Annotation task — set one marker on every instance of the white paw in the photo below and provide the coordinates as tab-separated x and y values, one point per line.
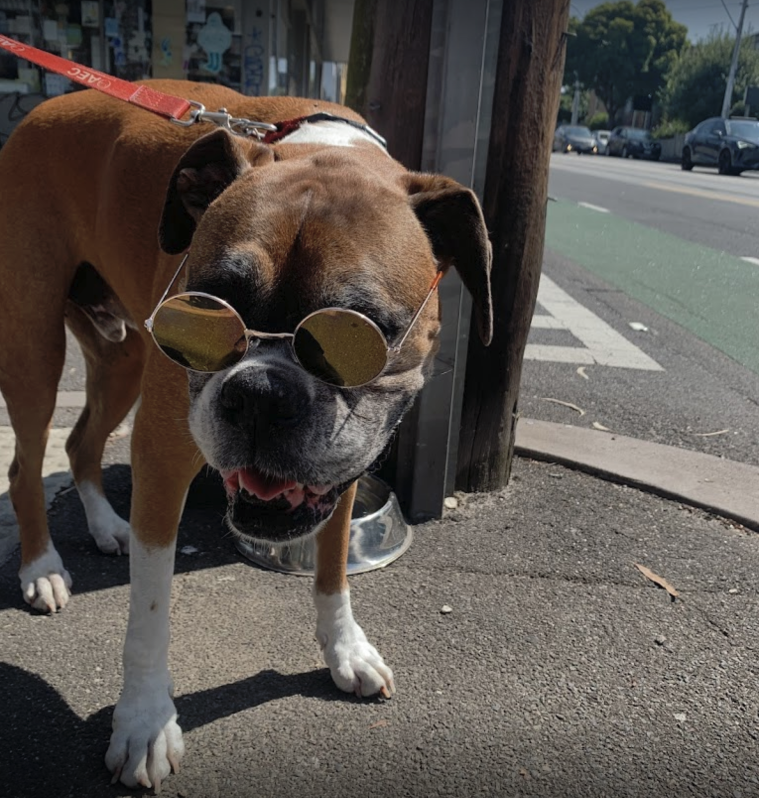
113	539
357	667
109	530
146	744
355	664
45	583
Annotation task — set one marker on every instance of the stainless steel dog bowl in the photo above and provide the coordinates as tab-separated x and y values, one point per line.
379	535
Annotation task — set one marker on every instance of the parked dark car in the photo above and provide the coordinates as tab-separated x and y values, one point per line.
633	142
574	138
732	145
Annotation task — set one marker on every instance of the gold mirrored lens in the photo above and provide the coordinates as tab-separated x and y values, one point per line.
340	347
199	332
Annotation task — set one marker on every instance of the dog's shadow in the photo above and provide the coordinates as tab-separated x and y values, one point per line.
44	742
41	739
202	528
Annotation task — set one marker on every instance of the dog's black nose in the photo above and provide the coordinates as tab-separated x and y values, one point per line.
259	399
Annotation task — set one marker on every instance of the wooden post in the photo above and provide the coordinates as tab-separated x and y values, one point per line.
525	104
387	72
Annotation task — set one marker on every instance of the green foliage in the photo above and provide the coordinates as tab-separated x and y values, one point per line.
622	49
565	106
599	121
696	83
668	129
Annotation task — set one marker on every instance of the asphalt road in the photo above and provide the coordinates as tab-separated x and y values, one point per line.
701	206
658	257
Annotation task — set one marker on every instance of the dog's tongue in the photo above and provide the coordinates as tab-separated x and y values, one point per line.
266	488
262	486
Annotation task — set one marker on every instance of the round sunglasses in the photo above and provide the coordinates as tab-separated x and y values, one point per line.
340	347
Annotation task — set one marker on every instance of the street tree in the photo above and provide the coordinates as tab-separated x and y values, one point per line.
622	49
696	83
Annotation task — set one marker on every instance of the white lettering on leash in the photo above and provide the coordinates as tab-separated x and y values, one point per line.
9	44
88	77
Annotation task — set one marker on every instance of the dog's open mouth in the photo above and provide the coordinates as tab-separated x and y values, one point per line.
271	508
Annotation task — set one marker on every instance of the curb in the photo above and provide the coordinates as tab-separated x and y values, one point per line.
725	487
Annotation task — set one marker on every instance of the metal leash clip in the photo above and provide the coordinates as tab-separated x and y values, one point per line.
222	118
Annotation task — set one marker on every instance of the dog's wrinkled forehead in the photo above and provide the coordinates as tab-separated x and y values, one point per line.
306	236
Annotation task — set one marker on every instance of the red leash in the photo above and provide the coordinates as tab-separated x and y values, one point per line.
165	105
149	99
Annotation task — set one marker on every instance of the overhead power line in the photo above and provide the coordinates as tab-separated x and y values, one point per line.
727	11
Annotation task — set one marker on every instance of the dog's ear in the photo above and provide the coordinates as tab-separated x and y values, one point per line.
453	221
204	171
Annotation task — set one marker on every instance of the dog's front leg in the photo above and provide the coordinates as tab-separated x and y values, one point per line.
146	744
355	664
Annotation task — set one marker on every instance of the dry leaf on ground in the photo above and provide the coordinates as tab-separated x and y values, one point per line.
658	580
564	404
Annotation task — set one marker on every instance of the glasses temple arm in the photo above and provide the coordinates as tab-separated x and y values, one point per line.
397	347
149	322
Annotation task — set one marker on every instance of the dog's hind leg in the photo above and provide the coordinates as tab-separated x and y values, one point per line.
114	369
31	361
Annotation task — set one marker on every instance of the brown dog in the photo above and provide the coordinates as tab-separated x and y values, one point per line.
97	201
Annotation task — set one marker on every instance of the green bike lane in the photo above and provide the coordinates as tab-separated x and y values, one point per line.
711	294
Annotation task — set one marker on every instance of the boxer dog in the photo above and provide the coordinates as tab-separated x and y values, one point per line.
267	303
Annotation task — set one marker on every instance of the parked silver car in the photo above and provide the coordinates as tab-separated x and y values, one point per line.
602	139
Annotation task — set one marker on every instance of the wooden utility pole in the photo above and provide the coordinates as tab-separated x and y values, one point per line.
387	72
525	104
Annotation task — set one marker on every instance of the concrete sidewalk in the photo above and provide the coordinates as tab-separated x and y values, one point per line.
561	671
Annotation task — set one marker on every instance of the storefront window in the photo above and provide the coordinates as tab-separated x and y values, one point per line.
213	46
113	37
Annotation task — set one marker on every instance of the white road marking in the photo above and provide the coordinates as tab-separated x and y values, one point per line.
559	354
593	207
748	259
55	473
604	346
541	322
74	399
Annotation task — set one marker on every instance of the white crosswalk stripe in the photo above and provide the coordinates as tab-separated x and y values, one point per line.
603	345
56	477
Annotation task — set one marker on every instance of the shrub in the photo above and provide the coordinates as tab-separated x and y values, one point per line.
599	121
669	128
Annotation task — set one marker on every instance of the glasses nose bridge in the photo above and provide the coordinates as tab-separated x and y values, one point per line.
264	336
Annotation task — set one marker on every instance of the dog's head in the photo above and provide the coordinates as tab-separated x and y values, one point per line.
281	232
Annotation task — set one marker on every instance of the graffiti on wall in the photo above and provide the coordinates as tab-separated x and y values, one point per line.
253	63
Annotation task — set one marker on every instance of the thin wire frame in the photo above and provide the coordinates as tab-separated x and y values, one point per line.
249	334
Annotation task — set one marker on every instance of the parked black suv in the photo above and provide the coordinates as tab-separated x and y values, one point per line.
732	145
